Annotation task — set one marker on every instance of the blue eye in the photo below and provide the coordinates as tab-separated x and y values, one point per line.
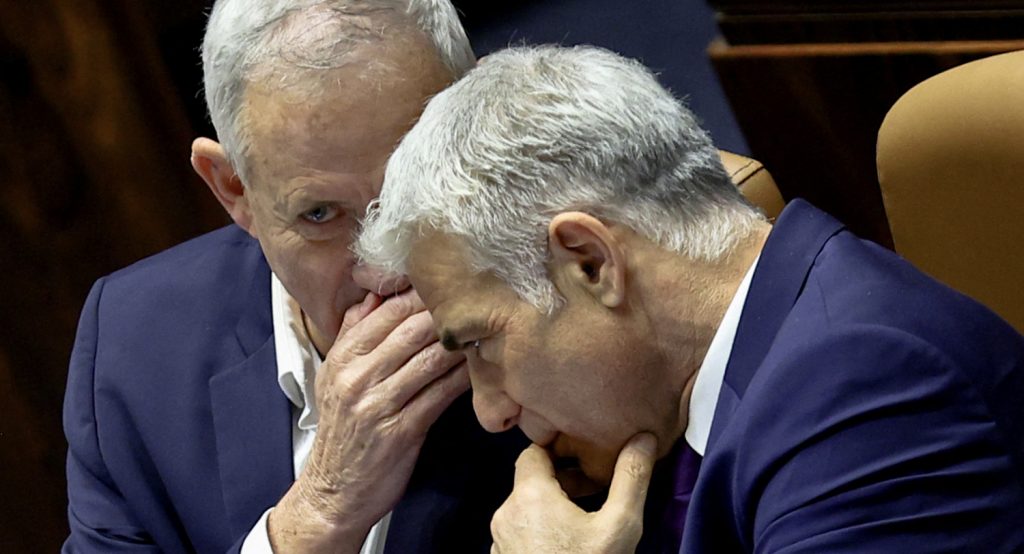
321	214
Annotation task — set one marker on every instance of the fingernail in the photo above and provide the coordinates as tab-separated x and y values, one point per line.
646	443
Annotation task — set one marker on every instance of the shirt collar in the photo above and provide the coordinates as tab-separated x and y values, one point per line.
297	358
712	371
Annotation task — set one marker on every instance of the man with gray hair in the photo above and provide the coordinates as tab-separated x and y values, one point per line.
570	228
255	388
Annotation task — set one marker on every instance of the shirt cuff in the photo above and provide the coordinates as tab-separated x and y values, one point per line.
258	539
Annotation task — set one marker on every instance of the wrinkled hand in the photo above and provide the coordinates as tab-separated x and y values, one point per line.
381	386
539	517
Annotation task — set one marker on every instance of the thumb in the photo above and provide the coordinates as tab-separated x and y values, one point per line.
633	469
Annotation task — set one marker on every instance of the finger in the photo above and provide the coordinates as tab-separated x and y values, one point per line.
535	469
423	409
365	335
426	366
358	312
393	284
632	475
404	346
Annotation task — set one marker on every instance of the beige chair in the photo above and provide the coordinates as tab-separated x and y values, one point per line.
754	182
951	170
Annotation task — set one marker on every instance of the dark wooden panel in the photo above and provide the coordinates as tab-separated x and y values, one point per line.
878	26
94	150
839	6
811	113
789	22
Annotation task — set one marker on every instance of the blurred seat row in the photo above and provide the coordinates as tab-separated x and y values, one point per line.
950	160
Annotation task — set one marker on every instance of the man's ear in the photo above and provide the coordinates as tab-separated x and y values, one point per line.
211	163
586	254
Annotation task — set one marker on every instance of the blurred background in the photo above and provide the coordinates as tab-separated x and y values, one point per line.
100	99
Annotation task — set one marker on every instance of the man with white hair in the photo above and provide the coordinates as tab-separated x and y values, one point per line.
255	388
569	226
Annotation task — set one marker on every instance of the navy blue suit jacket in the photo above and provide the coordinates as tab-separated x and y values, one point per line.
180	437
865	408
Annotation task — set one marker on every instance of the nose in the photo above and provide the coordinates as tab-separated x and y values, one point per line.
377	280
495	410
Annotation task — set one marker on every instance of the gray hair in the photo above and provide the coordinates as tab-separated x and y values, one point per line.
533	132
297	40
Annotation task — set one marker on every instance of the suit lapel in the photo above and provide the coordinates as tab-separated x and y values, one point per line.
251	416
423	520
798	236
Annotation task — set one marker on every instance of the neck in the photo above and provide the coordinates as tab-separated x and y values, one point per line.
689	301
321	344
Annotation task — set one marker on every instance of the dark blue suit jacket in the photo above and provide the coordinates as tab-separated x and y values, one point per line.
865	408
180	437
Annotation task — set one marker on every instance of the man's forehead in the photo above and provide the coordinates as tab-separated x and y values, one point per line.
350	125
437	260
440	269
436	254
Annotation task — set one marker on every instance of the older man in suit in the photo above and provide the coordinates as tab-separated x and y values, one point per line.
252	389
571	229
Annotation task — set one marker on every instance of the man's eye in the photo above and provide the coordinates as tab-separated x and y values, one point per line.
321	214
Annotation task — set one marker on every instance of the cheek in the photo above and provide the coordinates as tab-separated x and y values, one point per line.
601	396
319	275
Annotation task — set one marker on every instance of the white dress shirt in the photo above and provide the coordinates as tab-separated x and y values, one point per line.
711	374
297	364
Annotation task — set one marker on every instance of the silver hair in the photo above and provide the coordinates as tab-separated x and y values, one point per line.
535	131
296	41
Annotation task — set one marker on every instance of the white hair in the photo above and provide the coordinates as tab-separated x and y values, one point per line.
535	131
298	40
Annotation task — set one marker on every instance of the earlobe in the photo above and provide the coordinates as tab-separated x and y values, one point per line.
211	163
586	254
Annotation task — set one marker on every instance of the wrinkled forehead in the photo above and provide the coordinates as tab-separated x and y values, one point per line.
322	34
351	116
440	270
439	263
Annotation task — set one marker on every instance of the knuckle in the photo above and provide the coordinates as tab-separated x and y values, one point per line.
497	520
416	329
401	306
369	403
352	345
532	495
392	426
432	360
351	316
634	467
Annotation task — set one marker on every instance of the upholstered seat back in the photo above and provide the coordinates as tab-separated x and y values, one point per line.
951	170
754	182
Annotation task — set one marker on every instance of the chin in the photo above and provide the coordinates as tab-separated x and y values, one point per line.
598	469
596	463
542	438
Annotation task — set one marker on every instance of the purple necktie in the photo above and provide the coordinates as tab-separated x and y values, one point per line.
668	499
685	477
